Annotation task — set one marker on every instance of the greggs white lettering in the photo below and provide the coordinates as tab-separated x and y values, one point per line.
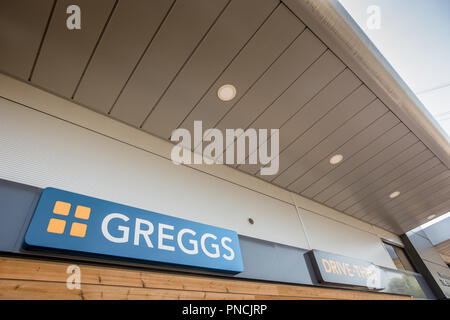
116	228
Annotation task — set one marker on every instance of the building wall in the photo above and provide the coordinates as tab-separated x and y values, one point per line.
48	141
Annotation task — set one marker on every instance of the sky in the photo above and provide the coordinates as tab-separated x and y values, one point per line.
414	36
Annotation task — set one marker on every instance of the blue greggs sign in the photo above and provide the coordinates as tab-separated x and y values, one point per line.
69	221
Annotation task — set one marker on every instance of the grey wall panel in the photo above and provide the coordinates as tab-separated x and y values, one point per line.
270	41
353	162
322	128
271	261
22	26
439	273
65	53
329	235
425	248
349	196
438	232
427	261
131	28
17	203
358	209
349	139
237	24
184	27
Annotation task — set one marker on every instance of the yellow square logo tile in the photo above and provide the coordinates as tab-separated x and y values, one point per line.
78	229
62	208
56	226
82	212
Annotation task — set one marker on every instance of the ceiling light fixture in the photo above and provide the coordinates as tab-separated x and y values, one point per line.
226	92
394	194
336	159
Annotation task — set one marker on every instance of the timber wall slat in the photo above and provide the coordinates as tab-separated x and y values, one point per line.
43	279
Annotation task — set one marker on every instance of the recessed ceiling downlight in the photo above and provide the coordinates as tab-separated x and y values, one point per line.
336	158
394	194
226	92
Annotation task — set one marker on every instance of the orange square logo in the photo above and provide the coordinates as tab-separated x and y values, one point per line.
62	208
56	226
78	229
82	212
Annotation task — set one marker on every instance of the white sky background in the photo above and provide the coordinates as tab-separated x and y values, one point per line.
414	36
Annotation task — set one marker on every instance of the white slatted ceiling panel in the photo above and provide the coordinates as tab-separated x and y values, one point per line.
157	65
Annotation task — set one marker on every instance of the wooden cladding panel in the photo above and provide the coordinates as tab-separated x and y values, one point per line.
43	279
